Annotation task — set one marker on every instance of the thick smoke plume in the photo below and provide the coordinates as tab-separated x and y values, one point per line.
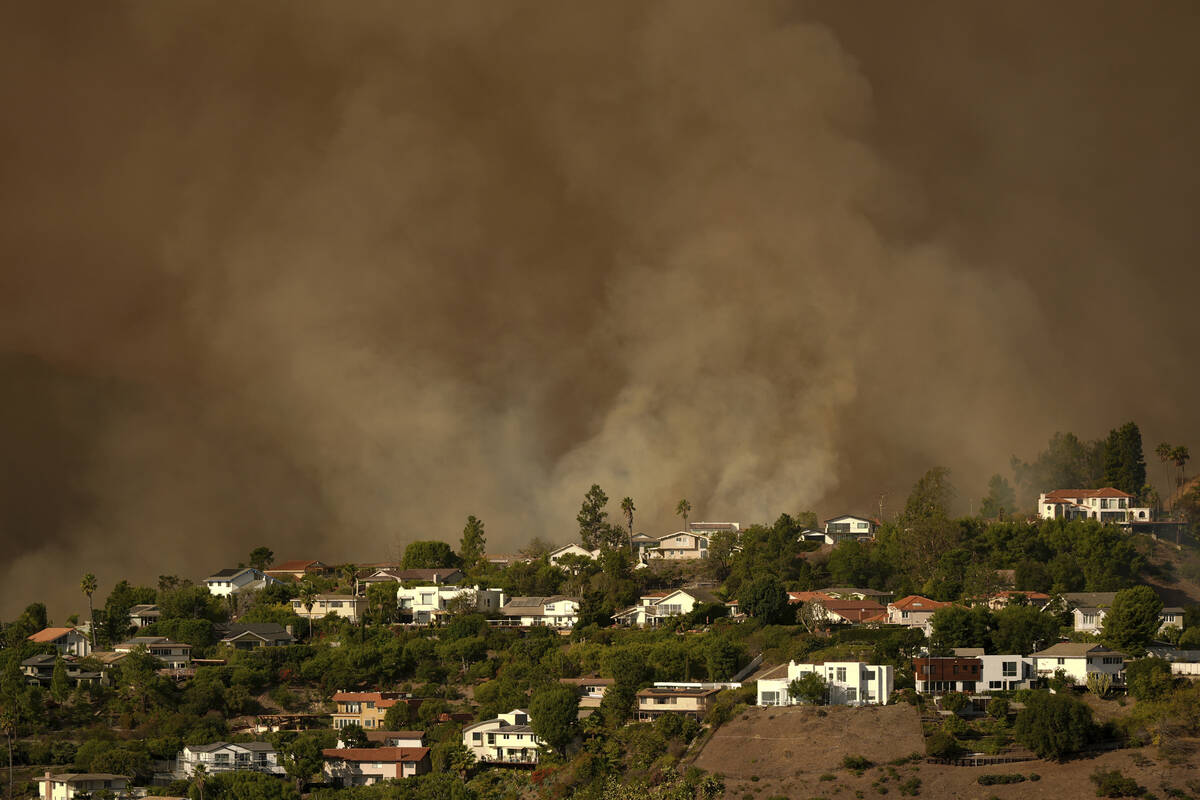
330	277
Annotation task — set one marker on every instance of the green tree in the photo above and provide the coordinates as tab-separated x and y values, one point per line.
308	598
554	715
88	586
1180	456
1053	725
1066	463
627	509
592	518
471	548
1149	678
60	687
809	687
428	555
722	545
1124	463
1132	621
928	531
1023	630
682	509
261	558
301	759
353	735
764	598
1001	500
958	626
398	717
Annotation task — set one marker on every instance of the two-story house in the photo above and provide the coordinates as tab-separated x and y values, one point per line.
365	709
559	611
914	611
71	785
1001	672
1077	660
680	546
67	641
940	674
347	606
1106	505
849	683
693	702
363	766
429	604
849	528
507	739
656	607
591	689
1088	609
236	580
381	738
144	614
174	655
438	576
229	757
252	635
557	553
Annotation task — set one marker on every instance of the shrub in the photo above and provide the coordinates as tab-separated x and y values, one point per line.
942	745
992	780
858	763
1112	783
911	787
955	701
827	777
1053	725
998	708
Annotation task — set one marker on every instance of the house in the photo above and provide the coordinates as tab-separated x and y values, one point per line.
252	635
438	576
83	785
393	738
347	606
365	709
1004	598
655	607
1077	660
643	543
237	580
938	674
506	559
558	611
591	689
820	537
355	766
174	655
709	528
144	614
507	739
571	550
680	546
39	669
1000	673
228	757
298	570
847	683
429	604
1106	505
849	528
853	612
67	641
914	611
1088	609
693	702
857	593
1171	617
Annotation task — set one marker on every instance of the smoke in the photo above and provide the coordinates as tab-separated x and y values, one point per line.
330	278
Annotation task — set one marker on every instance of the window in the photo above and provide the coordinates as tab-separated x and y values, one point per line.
1008	669
851	695
477	737
841	674
903	615
995	684
770	698
1061	661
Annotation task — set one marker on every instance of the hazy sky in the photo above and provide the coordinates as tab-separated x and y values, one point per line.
331	276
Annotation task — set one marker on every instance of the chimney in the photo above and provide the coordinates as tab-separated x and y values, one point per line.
49	792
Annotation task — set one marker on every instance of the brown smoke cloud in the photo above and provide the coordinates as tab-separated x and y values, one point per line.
330	277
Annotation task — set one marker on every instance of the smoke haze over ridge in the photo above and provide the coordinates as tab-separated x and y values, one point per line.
332	277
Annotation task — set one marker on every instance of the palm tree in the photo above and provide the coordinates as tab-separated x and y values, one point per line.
198	777
8	724
88	587
627	509
350	576
1163	451
683	509
1181	456
308	598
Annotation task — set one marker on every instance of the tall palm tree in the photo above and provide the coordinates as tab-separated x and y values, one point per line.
308	598
683	509
1163	451
627	509
8	724
1181	456
350	577
88	586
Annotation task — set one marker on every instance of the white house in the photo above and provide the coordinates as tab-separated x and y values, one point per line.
655	607
236	580
144	614
1088	609
849	528
847	683
427	604
820	537
362	766
67	641
1078	660
1000	673
680	546
558	611
557	553
382	738
346	606
82	785
229	757
175	655
914	611
1106	505
507	739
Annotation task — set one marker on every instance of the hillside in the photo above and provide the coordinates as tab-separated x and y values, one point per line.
1175	571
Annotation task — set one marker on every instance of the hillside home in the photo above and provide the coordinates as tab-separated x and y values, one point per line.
849	683
428	604
819	537
392	739
557	553
1171	617
252	635
914	611
39	669
174	655
67	641
355	766
507	739
1077	660
643	543
228	757
857	593
591	689
655	607
939	674
680	546
298	570
83	785
1001	673
237	580
849	528
437	576
1107	505
847	612
558	612
144	614
1088	609
365	709
1005	598
347	606
693	702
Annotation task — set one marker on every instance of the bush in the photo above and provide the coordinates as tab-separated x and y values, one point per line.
998	708
911	787
993	780
1112	783
955	701
942	745
858	763
1053	725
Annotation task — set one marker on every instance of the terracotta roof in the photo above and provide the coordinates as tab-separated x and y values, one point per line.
382	736
914	602
807	597
382	754
353	697
50	634
1060	495
293	566
854	610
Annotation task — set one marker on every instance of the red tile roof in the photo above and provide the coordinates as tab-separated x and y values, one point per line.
390	755
1062	495
808	597
914	602
49	634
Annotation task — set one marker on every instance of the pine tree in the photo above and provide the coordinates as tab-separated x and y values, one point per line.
592	518
1124	463
471	549
59	687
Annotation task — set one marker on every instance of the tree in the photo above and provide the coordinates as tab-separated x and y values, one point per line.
398	717
592	518
1053	725
1163	451
554	715
764	598
1132	621
928	533
308	598
349	576
261	558
627	509
88	586
353	735
302	758
1023	629
1180	456
958	626
1148	678
471	548
809	687
60	688
721	547
682	509
1067	462
428	555
1124	464
1001	499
